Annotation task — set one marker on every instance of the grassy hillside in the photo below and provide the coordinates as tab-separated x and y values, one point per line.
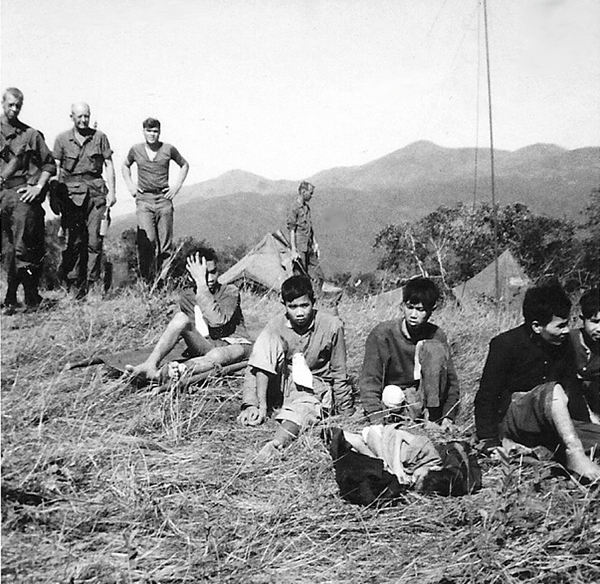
352	205
102	483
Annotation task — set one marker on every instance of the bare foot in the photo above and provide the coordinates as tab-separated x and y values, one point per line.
579	463
267	453
144	371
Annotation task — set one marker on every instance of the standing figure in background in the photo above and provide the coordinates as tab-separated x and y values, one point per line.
81	155
26	164
305	249
153	197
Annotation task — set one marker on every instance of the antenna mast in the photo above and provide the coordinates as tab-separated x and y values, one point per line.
494	208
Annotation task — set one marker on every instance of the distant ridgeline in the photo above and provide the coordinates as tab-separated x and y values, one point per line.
353	204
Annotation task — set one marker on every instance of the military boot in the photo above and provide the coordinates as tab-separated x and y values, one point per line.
29	277
10	300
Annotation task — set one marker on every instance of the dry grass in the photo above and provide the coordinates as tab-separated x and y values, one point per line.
106	484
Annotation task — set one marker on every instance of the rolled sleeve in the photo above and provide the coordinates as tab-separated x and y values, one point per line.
218	309
371	378
342	390
47	163
105	148
268	353
493	381
292	219
451	405
176	157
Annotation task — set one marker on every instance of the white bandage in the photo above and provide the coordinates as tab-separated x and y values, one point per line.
392	396
301	374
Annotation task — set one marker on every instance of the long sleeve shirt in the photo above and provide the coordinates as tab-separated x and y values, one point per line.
221	310
519	360
390	360
322	345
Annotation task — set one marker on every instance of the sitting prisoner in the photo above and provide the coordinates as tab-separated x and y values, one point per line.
408	367
210	321
301	353
529	393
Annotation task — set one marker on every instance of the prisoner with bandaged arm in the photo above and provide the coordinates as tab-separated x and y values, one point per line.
408	368
529	393
210	321
303	354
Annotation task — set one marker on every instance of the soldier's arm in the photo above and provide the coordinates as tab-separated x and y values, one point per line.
111	198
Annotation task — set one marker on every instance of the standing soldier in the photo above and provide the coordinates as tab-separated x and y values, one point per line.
81	154
25	167
153	197
305	250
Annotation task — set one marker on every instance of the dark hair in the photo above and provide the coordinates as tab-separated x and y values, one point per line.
306	186
544	301
590	303
421	290
295	287
448	482
150	123
209	254
16	93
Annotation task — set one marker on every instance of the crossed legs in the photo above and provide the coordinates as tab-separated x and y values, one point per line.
181	326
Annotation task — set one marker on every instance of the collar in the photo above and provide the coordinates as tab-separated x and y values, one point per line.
406	334
587	343
543	345
86	137
10	130
311	326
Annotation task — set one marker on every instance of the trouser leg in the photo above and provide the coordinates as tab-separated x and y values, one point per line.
94	240
146	238
433	358
314	272
164	234
9	198
28	232
74	257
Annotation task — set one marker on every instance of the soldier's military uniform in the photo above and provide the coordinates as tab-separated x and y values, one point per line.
85	206
24	156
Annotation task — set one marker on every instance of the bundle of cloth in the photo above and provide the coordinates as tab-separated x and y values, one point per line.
383	462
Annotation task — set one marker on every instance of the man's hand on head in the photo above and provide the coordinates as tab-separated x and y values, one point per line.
196	267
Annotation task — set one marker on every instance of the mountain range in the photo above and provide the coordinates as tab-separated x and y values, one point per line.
352	204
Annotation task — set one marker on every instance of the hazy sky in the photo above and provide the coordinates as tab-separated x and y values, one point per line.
285	88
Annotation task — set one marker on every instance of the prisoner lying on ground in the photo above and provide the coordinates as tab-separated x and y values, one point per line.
385	461
210	321
301	357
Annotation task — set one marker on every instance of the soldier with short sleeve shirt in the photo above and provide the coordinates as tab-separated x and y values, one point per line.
305	250
26	164
154	197
81	155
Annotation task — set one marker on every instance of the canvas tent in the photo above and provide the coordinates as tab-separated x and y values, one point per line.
389	299
512	282
268	264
